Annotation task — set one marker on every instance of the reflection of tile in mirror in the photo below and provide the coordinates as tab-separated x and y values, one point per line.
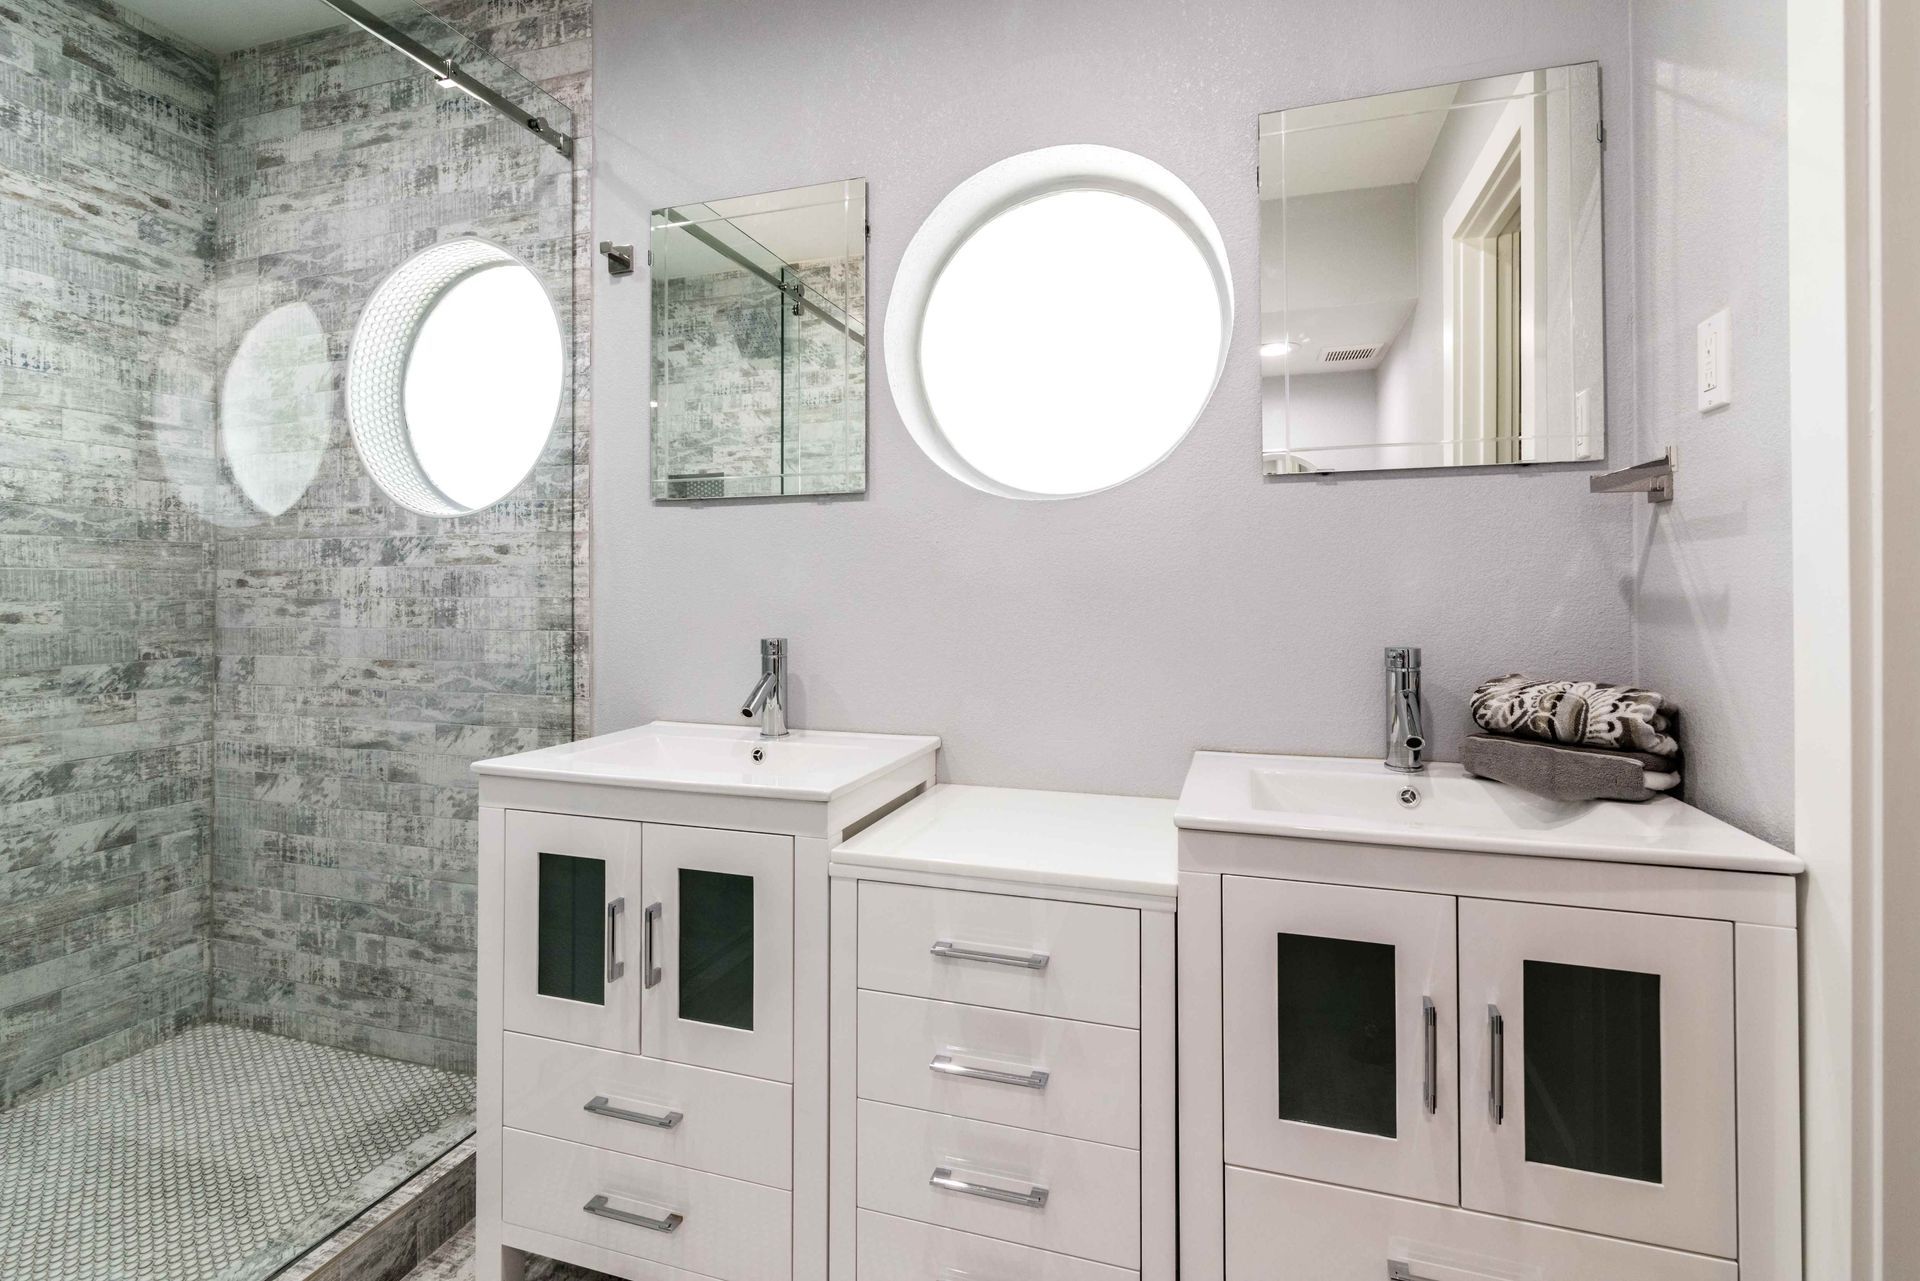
760	345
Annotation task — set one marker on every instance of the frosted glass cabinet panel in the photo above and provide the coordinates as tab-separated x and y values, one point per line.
573	886
1597	1053
1339	1035
718	927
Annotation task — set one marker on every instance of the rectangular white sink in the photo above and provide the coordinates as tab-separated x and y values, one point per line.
726	760
1339	799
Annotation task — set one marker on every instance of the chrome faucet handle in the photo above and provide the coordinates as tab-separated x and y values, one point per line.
768	700
1406	733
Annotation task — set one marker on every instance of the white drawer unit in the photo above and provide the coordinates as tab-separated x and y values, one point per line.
1080	1080
653	1062
1058	1194
891	1249
1541	1060
1294	1230
1002	982
715	1121
725	1228
1041	956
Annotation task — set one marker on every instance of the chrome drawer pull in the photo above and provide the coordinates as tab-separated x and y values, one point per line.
600	1207
1430	1028
1032	1080
600	1106
947	950
652	919
1036	1197
615	966
1497	1076
1403	1270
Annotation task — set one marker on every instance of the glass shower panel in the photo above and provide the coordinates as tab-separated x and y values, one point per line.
240	689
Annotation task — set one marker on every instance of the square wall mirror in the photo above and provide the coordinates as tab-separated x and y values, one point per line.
760	345
1430	277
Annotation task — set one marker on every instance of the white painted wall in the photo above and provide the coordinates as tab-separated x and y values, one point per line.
1712	575
1313	410
1339	248
1093	643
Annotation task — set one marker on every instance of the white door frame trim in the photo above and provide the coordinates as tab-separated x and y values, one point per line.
1838	652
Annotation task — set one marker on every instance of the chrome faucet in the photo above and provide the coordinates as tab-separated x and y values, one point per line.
769	698
1406	739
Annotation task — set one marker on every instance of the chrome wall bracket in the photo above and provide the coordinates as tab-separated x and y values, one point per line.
1654	479
619	258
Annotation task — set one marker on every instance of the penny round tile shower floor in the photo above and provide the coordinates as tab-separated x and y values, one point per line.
218	1154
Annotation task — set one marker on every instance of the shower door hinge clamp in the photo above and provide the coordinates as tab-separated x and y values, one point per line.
620	258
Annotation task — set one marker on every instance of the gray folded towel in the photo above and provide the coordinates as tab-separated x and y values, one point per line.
1577	713
1570	773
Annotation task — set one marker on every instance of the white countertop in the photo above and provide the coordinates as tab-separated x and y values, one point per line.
1123	844
678	756
1338	799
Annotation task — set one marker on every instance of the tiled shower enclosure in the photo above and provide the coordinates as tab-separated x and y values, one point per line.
239	687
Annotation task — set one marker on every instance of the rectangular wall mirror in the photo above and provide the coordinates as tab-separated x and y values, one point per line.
1430	277
760	345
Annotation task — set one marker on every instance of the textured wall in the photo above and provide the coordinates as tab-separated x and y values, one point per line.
368	656
1092	643
1712	574
106	630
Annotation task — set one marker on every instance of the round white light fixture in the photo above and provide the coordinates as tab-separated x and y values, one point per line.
454	378
1058	322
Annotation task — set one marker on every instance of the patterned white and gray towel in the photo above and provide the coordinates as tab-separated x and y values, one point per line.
1582	713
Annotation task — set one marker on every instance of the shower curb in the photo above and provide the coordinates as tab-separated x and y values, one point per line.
397	1233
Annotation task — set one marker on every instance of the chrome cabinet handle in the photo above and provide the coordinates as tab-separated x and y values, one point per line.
652	977
1497	1078
948	950
615	966
600	1207
600	1106
1430	1023
1036	1197
1403	1270
1033	1079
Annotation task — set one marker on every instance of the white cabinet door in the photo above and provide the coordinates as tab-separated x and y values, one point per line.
1598	1071
717	956
572	896
1339	1034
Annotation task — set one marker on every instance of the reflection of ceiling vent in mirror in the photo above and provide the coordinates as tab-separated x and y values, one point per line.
1345	355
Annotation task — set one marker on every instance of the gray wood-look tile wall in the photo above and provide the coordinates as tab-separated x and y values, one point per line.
106	603
233	762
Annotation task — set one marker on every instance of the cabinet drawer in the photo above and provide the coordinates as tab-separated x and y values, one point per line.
727	1228
1285	1229
1081	1080
733	1125
1070	960
890	1249
1092	1191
